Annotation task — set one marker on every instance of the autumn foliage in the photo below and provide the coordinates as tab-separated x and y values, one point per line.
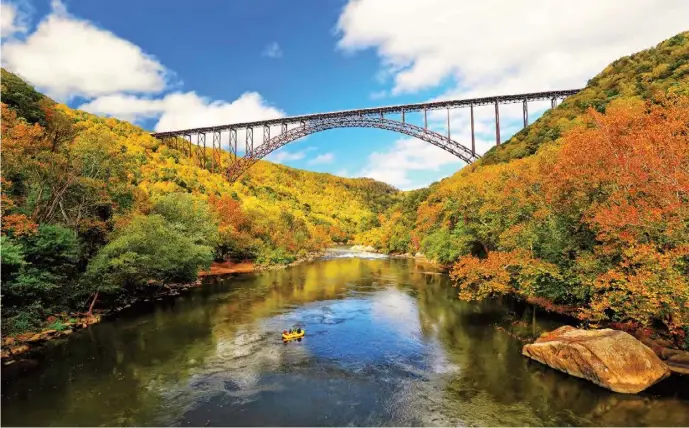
586	208
601	221
626	176
97	207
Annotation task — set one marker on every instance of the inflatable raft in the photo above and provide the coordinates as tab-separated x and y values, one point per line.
296	334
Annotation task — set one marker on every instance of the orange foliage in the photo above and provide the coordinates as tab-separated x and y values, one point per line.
609	205
18	224
627	173
502	272
19	139
628	170
228	212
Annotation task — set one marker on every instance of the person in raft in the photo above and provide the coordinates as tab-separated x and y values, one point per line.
292	331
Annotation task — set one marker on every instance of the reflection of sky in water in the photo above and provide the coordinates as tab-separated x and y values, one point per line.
365	345
385	345
358	332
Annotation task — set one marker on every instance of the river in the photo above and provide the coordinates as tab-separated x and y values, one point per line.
387	343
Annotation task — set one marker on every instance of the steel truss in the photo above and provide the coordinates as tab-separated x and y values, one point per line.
362	118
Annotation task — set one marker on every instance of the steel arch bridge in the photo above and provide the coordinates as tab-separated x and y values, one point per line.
235	165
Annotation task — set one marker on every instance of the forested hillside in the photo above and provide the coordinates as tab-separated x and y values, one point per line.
588	207
663	69
92	204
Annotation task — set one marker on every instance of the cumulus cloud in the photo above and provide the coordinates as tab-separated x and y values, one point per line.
530	46
322	159
493	46
272	50
406	155
12	21
67	57
180	110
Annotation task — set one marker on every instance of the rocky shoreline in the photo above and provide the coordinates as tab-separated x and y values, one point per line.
13	347
612	359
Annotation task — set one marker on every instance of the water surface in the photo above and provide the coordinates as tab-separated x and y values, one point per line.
387	344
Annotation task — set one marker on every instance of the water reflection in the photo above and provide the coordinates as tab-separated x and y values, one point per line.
387	344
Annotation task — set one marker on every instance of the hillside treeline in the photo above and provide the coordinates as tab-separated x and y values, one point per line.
588	207
98	205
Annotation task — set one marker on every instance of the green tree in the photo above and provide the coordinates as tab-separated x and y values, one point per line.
22	98
149	248
189	217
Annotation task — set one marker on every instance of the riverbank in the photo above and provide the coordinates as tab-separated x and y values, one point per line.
658	341
164	365
58	326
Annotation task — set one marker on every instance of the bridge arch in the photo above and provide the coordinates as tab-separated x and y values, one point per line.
242	164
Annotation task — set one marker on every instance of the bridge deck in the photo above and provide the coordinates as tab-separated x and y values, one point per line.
451	104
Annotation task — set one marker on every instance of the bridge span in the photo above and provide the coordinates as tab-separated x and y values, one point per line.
236	165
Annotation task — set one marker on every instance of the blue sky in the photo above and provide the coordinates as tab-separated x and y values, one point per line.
172	64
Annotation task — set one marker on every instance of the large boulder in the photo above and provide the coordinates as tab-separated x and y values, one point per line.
612	359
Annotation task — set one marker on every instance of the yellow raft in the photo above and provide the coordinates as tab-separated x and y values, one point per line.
294	335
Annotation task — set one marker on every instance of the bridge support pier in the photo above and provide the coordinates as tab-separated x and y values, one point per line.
473	137
249	144
202	159
217	147
187	138
497	124
448	124
266	133
525	111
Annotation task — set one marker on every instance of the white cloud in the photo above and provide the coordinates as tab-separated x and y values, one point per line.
12	21
528	46
272	50
406	155
184	110
188	110
321	159
493	47
67	57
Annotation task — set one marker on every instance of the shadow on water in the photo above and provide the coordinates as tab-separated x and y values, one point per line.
387	343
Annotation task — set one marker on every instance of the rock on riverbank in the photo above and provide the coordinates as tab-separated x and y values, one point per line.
610	358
